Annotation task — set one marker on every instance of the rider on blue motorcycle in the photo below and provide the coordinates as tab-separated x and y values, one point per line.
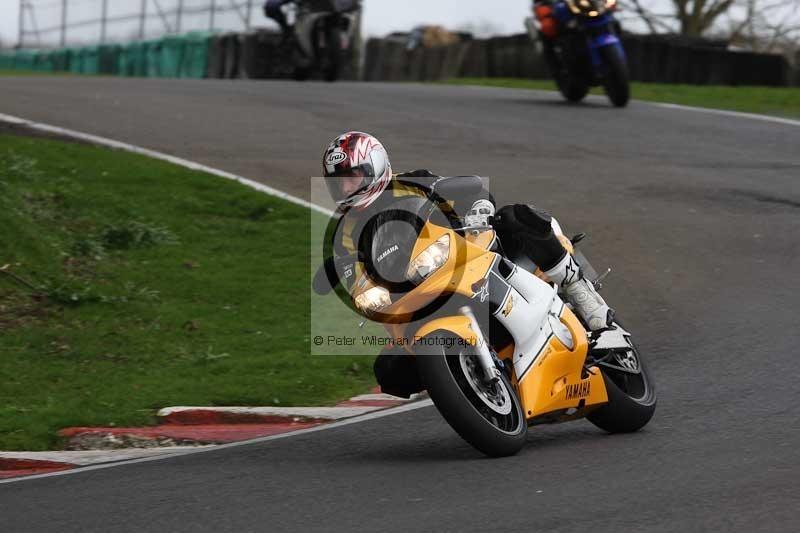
543	9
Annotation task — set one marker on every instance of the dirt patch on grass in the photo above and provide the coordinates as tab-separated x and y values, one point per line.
20	310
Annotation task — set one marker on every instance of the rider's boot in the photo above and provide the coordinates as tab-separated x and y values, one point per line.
546	250
581	293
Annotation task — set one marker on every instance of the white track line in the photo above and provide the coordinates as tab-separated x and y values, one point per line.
93	457
664	105
191	165
323	427
326	413
739	114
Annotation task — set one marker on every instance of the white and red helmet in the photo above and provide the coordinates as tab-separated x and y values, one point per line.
356	169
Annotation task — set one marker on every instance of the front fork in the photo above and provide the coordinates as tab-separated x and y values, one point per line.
602	33
487	362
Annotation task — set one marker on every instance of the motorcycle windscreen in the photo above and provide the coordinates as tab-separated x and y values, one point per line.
388	242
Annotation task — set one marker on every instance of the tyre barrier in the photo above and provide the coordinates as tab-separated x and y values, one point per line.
650	58
260	55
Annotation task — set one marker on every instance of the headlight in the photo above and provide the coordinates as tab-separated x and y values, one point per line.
373	300
430	260
611	4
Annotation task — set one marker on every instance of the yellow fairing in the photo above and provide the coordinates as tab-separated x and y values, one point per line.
555	382
466	264
483	240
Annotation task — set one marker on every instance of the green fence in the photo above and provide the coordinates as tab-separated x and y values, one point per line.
178	56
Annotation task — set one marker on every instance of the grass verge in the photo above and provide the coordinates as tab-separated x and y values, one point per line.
130	284
776	101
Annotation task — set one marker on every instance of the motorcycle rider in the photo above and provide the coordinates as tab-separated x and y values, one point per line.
359	177
545	14
274	9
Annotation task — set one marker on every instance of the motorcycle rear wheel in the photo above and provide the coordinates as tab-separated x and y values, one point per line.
570	84
490	418
301	73
572	90
632	398
332	61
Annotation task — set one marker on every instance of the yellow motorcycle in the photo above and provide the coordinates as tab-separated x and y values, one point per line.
495	346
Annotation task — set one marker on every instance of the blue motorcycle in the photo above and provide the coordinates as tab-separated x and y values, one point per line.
582	48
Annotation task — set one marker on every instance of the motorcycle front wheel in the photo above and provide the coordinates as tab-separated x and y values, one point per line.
487	416
616	78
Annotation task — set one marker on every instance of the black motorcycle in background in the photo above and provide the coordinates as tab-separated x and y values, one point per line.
322	34
586	51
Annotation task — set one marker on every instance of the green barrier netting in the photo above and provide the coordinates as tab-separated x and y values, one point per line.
91	60
131	60
43	61
152	52
7	61
195	57
172	50
125	64
61	60
185	56
137	55
174	56
108	58
25	60
75	60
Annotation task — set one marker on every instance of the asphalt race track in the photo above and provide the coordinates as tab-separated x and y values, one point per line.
699	214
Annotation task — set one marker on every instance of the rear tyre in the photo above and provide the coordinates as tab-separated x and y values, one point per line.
489	417
570	83
572	90
302	73
302	64
616	78
332	62
631	396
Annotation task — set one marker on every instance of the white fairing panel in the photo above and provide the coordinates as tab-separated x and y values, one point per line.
556	226
525	316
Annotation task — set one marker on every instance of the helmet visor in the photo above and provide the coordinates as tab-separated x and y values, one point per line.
343	184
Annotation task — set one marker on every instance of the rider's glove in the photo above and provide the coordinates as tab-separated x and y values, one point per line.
478	217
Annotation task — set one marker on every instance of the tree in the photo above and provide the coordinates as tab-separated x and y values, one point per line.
759	23
767	26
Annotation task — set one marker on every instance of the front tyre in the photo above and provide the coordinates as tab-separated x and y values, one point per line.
489	417
631	392
616	77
